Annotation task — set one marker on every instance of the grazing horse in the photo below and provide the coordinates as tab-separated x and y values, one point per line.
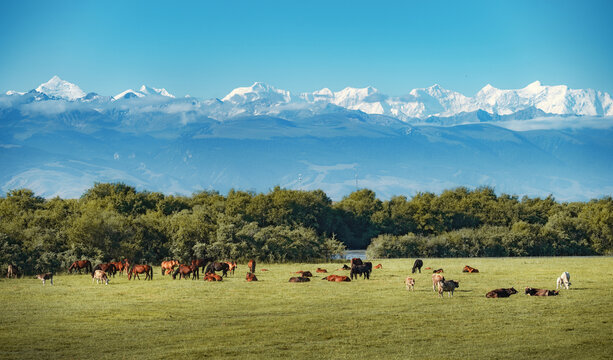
231	266
469	269
417	266
44	277
169	265
141	269
107	268
100	275
12	271
251	277
410	283
251	265
119	266
201	263
299	279
217	266
563	280
80	264
184	271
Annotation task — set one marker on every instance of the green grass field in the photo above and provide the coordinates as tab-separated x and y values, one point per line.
272	318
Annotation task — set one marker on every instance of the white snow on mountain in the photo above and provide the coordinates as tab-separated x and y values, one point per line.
13	92
62	89
128	94
154	91
258	92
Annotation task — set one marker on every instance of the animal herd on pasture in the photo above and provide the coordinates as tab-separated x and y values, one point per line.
101	273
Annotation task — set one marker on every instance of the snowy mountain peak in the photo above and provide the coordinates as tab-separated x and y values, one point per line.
128	94
13	92
260	92
62	89
155	91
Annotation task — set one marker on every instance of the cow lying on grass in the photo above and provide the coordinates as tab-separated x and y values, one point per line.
501	293
540	292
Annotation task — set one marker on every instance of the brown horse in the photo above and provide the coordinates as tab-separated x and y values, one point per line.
108	269
185	271
232	266
119	266
379	266
169	265
212	277
251	277
299	279
80	264
251	266
320	270
12	271
141	269
217	266
201	263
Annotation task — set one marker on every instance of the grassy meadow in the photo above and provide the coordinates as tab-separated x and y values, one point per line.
272	318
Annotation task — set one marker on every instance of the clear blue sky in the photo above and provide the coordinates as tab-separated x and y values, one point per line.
205	49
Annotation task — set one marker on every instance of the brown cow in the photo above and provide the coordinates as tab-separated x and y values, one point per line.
540	292
251	277
435	280
501	293
44	277
469	269
320	270
299	279
410	283
379	266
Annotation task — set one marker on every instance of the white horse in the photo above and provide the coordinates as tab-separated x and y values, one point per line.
100	276
563	280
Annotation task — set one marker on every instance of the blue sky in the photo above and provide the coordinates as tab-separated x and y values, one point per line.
205	49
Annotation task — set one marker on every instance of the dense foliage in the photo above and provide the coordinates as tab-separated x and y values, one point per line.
114	221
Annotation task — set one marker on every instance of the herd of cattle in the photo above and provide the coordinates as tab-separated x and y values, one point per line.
101	273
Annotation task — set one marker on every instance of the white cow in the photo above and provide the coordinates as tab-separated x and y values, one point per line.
100	276
563	280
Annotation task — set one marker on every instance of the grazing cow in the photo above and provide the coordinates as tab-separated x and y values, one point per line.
447	285
437	271
299	279
231	266
100	276
320	270
251	265
251	277
563	280
435	280
501	293
107	268
212	277
44	277
417	266
12	271
410	283
540	292
168	266
379	266
469	269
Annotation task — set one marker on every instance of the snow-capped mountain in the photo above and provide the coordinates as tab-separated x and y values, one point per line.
58	88
258	93
143	92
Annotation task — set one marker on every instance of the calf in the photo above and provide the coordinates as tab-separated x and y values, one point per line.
501	293
100	276
435	280
44	277
410	283
448	286
540	292
563	280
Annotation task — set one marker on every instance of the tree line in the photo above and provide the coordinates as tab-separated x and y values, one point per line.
113	221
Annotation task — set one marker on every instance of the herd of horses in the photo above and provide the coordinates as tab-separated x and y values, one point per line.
358	268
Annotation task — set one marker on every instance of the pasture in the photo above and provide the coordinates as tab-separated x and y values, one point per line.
272	318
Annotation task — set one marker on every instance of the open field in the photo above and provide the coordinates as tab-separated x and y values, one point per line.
272	318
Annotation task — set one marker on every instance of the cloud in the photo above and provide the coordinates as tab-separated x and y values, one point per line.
557	123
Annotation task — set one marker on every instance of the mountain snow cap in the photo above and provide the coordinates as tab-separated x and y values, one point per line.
62	89
155	91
